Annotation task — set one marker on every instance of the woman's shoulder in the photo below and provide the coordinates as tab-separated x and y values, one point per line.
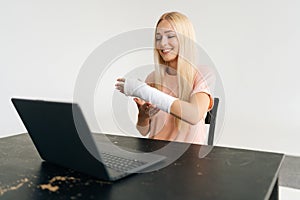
204	72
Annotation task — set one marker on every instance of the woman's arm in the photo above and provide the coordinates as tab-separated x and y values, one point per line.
143	126
193	111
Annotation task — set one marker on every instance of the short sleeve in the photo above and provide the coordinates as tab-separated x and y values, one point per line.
204	82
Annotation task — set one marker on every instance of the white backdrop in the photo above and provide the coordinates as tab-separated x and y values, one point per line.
43	45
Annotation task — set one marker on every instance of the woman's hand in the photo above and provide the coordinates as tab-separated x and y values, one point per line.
120	84
137	88
146	109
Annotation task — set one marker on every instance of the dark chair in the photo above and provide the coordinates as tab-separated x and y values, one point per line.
211	120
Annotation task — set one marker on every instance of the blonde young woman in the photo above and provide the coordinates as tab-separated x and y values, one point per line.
175	98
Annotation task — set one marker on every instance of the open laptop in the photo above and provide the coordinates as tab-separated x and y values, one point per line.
61	135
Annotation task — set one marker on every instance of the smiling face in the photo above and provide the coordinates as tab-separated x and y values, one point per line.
166	43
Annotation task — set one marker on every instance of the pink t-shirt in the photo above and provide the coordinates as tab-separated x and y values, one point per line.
162	125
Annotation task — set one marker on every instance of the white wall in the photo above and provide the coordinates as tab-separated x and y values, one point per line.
43	45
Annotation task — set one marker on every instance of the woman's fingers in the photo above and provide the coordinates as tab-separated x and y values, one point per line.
153	111
121	79
120	84
150	109
139	102
145	107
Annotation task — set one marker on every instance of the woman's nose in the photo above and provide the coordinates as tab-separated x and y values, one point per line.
164	41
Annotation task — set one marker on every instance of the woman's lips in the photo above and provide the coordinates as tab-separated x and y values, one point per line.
166	51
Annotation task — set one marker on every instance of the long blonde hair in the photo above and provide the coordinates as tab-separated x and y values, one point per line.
186	57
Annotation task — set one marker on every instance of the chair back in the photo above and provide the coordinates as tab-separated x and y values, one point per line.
211	120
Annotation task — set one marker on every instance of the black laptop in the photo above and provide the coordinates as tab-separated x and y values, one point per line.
61	135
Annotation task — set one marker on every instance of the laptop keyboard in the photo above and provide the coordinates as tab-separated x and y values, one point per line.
119	163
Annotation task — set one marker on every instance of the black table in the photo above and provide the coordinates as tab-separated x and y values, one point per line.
225	173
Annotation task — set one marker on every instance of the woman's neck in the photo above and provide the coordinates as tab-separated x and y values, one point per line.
171	71
172	67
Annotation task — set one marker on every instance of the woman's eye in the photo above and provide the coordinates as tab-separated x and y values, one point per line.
158	38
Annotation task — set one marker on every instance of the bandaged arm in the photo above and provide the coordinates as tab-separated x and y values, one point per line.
190	112
137	88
